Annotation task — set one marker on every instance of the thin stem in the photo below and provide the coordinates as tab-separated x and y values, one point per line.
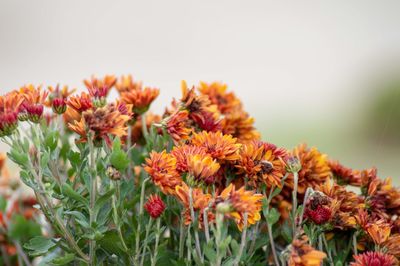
137	249
205	219
269	229
22	254
272	243
294	198
327	250
43	198
254	238
242	241
181	237
93	192
154	259
144	126
355	243
117	222
218	235
195	228
148	227
5	256
128	150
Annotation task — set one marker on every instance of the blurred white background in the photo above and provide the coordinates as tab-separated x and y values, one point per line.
302	68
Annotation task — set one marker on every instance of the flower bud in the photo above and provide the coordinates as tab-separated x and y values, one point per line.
224	207
293	165
35	112
154	206
59	105
8	123
113	173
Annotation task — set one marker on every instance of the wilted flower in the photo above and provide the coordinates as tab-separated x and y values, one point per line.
302	254
154	206
374	258
242	202
219	146
162	169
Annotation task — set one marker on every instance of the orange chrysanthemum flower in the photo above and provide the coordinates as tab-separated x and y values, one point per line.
240	125
126	83
379	232
200	202
162	169
58	93
182	153
302	254
219	146
349	203
9	109
392	245
374	258
202	167
242	202
344	175
227	102
314	168
140	98
178	126
100	87
262	162
136	128
101	122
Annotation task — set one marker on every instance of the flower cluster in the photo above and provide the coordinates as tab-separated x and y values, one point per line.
194	185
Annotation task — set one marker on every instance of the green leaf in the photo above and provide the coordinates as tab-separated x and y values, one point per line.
18	157
235	246
119	159
45	157
103	200
74	158
39	246
51	140
67	258
210	252
3	204
273	216
21	228
111	243
68	191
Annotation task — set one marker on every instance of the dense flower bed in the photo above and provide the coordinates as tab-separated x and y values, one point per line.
113	184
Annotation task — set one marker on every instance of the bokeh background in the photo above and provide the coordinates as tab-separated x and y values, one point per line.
322	72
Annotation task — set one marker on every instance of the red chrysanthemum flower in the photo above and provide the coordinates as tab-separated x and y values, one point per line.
374	258
154	206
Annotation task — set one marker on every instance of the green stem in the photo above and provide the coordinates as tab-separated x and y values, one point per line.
242	241
355	243
254	238
144	126
44	198
117	221
195	228
137	249
93	192
294	198
154	259
218	235
331	263
148	227
181	237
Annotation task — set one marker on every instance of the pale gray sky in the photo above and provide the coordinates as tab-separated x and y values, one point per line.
303	60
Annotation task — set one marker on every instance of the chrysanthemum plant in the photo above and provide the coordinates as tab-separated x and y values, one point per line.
117	185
